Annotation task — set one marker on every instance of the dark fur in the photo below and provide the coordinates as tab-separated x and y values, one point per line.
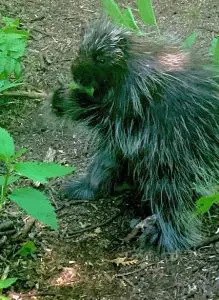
157	123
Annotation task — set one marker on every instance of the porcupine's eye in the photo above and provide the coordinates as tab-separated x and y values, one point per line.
99	59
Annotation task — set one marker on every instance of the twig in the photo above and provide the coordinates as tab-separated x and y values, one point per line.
134	271
7	232
43	32
5	273
38	18
6	225
31	94
28	226
127	281
89	228
3	240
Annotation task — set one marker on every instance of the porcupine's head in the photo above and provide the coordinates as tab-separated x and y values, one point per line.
99	68
103	55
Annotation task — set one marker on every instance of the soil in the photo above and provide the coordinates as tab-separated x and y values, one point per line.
94	263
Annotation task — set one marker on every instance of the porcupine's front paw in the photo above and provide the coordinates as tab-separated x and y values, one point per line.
57	99
79	190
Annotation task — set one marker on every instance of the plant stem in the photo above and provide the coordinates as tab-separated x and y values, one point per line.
4	187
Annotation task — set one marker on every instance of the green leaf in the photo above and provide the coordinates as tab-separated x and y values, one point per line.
37	171
6	85
5	283
146	12
4	298
28	248
17	70
6	144
129	19
11	179
203	204
113	10
190	41
3	62
36	204
19	153
11	22
216	52
9	66
213	45
88	90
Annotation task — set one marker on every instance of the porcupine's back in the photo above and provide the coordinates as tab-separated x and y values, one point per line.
167	106
153	99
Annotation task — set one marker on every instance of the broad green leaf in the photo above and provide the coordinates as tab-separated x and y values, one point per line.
6	144
113	10
204	203
11	179
129	19
5	283
36	204
190	41
28	248
37	171
146	12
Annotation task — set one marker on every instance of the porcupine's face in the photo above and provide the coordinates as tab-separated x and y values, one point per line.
101	62
100	66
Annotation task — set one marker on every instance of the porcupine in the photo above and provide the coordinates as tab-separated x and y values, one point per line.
155	109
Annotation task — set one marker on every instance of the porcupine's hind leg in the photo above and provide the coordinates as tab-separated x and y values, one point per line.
175	226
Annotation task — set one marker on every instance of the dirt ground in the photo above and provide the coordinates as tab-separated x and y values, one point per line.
87	257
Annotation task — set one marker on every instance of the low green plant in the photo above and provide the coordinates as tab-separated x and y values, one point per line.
27	249
34	202
126	18
4	284
13	41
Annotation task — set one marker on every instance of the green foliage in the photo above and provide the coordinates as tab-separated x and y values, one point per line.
146	12
214	50
190	41
32	201
113	10
13	41
36	204
87	90
205	203
126	17
38	171
28	249
129	19
6	283
6	144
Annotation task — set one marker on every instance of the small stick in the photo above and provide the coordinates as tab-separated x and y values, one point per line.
134	271
89	228
31	94
27	227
